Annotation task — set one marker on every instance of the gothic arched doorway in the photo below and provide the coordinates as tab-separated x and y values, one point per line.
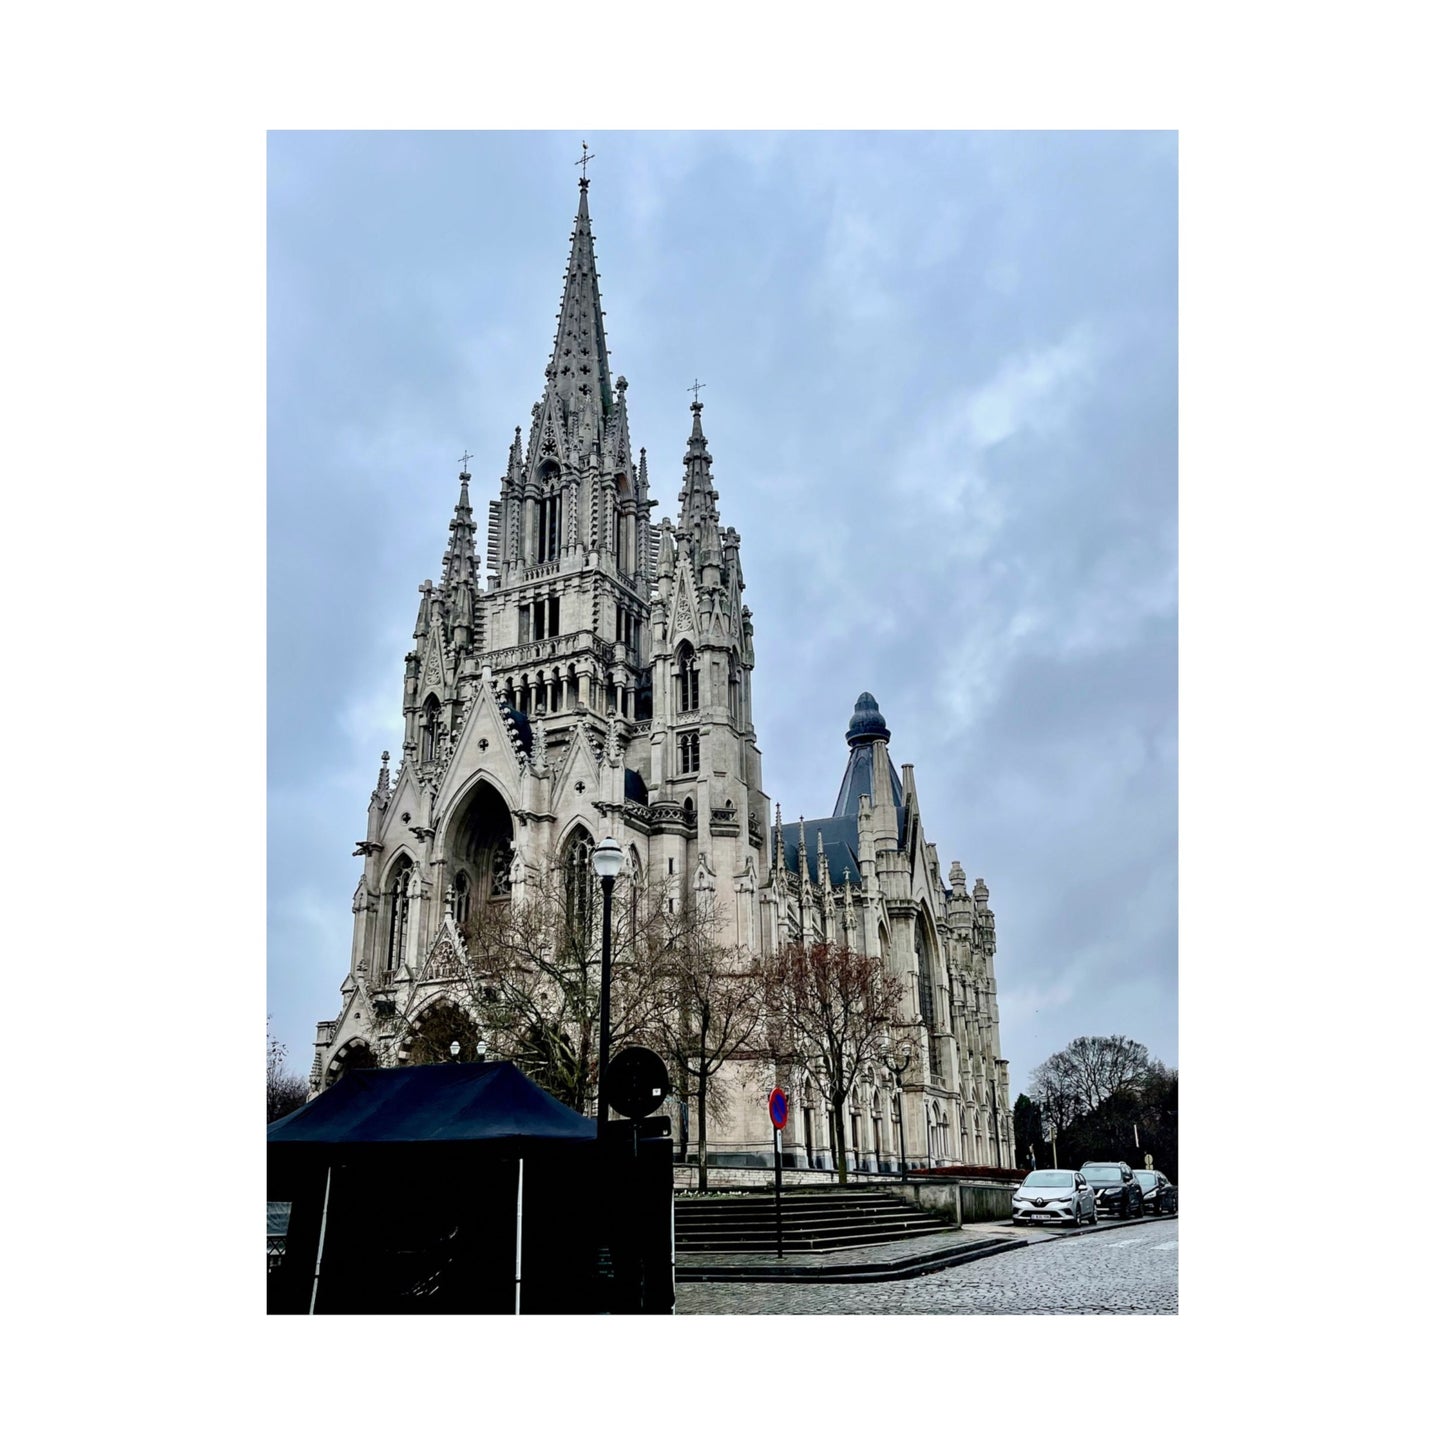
479	849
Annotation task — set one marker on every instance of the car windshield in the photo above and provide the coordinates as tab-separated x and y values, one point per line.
1048	1179
1146	1179
1103	1174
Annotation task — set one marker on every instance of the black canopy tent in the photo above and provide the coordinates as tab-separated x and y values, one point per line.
402	1181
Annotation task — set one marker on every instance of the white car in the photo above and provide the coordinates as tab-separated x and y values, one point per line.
1055	1196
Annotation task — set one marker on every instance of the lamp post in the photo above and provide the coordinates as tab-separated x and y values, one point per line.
455	1050
898	1066
606	864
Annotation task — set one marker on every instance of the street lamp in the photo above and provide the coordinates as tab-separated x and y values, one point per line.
455	1050
606	864
898	1066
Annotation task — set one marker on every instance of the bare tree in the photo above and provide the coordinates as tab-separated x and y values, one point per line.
712	1013
530	981
285	1091
1078	1079
832	1012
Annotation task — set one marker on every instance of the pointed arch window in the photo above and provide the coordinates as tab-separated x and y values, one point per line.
577	884
399	918
689	752
926	1002
430	728
689	689
461	898
547	514
634	881
502	869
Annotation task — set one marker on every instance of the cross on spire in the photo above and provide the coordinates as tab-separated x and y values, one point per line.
583	162
696	387
464	459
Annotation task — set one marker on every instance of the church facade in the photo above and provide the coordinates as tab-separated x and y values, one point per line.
594	677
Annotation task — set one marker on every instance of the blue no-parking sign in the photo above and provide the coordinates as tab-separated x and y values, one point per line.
778	1108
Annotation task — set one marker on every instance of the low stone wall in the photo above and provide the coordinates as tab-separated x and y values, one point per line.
960	1201
727	1176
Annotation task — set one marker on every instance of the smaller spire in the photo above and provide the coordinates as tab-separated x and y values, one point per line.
697	498
460	563
382	791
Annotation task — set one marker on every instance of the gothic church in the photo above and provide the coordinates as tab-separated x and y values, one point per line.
596	678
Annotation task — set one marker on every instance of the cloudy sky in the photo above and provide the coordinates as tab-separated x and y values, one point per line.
940	381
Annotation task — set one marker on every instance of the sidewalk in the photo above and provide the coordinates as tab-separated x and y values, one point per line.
898	1259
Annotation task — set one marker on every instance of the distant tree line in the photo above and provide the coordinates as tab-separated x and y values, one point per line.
285	1091
1099	1098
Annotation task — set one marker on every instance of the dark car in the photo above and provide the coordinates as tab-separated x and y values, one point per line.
1160	1196
1116	1187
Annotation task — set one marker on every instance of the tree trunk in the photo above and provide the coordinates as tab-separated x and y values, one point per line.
702	1128
840	1150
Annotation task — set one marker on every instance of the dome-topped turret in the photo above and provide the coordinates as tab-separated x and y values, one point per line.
865	728
866	725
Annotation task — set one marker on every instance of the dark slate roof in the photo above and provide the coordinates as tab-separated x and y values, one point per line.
633	788
840	848
858	779
520	722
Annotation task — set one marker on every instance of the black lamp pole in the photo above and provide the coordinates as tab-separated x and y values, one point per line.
604	1044
607	864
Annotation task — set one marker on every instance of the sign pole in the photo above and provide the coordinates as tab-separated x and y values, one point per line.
778	1185
778	1117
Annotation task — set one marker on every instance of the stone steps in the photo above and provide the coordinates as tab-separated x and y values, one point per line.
811	1223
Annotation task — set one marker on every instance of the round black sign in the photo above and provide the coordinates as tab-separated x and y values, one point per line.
636	1082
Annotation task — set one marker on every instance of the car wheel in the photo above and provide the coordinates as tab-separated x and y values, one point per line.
1078	1216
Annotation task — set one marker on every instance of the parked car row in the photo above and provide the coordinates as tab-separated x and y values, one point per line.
1160	1196
1076	1196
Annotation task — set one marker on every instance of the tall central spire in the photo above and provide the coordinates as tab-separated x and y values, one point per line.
574	494
577	374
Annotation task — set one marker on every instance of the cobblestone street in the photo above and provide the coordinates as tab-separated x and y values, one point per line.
1111	1271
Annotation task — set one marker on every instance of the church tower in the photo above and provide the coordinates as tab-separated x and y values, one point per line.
593	677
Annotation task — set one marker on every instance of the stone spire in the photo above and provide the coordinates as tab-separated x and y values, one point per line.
578	398
381	794
460	564
698	498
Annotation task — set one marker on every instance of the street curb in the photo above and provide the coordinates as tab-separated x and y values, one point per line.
847	1273
1102	1226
